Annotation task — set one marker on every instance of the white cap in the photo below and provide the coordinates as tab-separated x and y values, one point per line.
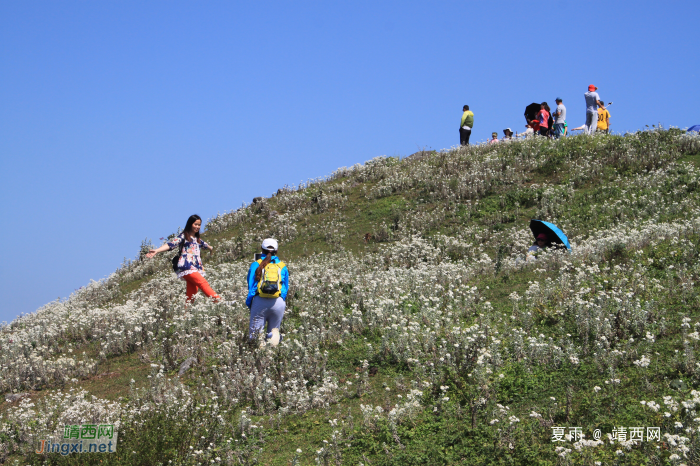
269	244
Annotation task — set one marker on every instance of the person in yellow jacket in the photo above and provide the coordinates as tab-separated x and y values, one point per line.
603	120
465	126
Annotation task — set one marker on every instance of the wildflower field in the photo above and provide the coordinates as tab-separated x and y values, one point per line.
415	333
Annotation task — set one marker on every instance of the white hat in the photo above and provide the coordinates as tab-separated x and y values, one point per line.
269	244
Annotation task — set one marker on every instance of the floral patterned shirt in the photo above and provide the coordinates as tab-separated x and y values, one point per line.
190	259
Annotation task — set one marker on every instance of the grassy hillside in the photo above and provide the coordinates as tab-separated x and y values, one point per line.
416	332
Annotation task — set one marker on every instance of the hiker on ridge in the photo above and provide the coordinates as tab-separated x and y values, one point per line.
268	283
560	121
494	138
543	118
189	262
603	120
592	102
465	126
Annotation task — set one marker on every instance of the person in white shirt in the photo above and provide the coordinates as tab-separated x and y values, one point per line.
541	243
559	118
528	132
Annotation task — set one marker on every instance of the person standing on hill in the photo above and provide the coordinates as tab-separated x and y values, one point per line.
465	126
543	119
560	119
603	120
592	102
189	263
268	284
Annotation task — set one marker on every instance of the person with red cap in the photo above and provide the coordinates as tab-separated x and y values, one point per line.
592	102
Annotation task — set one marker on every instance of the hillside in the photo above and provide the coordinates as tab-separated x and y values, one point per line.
415	332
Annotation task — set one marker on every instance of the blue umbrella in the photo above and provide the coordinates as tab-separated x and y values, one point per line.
554	234
694	128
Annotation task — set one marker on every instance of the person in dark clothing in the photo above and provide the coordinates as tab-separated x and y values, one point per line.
465	126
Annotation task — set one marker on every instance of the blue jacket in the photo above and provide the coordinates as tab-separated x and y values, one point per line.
253	285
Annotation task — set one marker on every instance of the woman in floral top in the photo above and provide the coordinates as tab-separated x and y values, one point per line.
189	266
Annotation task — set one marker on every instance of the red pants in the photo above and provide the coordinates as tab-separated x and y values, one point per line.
196	282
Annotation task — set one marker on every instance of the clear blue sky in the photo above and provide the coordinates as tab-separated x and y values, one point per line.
119	119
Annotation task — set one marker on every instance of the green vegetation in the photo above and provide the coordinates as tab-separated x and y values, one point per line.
417	330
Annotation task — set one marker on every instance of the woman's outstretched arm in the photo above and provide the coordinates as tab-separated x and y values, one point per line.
153	252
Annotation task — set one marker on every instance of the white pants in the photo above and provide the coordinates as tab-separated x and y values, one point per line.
591	122
266	311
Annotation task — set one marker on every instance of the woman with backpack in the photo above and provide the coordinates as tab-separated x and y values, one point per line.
268	283
189	261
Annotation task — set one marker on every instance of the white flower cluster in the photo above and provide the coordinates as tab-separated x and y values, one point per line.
416	293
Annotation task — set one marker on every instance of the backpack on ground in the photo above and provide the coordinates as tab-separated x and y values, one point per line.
270	284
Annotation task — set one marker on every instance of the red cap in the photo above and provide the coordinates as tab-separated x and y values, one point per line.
591	87
542	236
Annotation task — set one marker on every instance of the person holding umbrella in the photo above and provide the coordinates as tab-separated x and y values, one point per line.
547	235
541	243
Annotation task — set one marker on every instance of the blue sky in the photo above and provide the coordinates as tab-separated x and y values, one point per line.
120	119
